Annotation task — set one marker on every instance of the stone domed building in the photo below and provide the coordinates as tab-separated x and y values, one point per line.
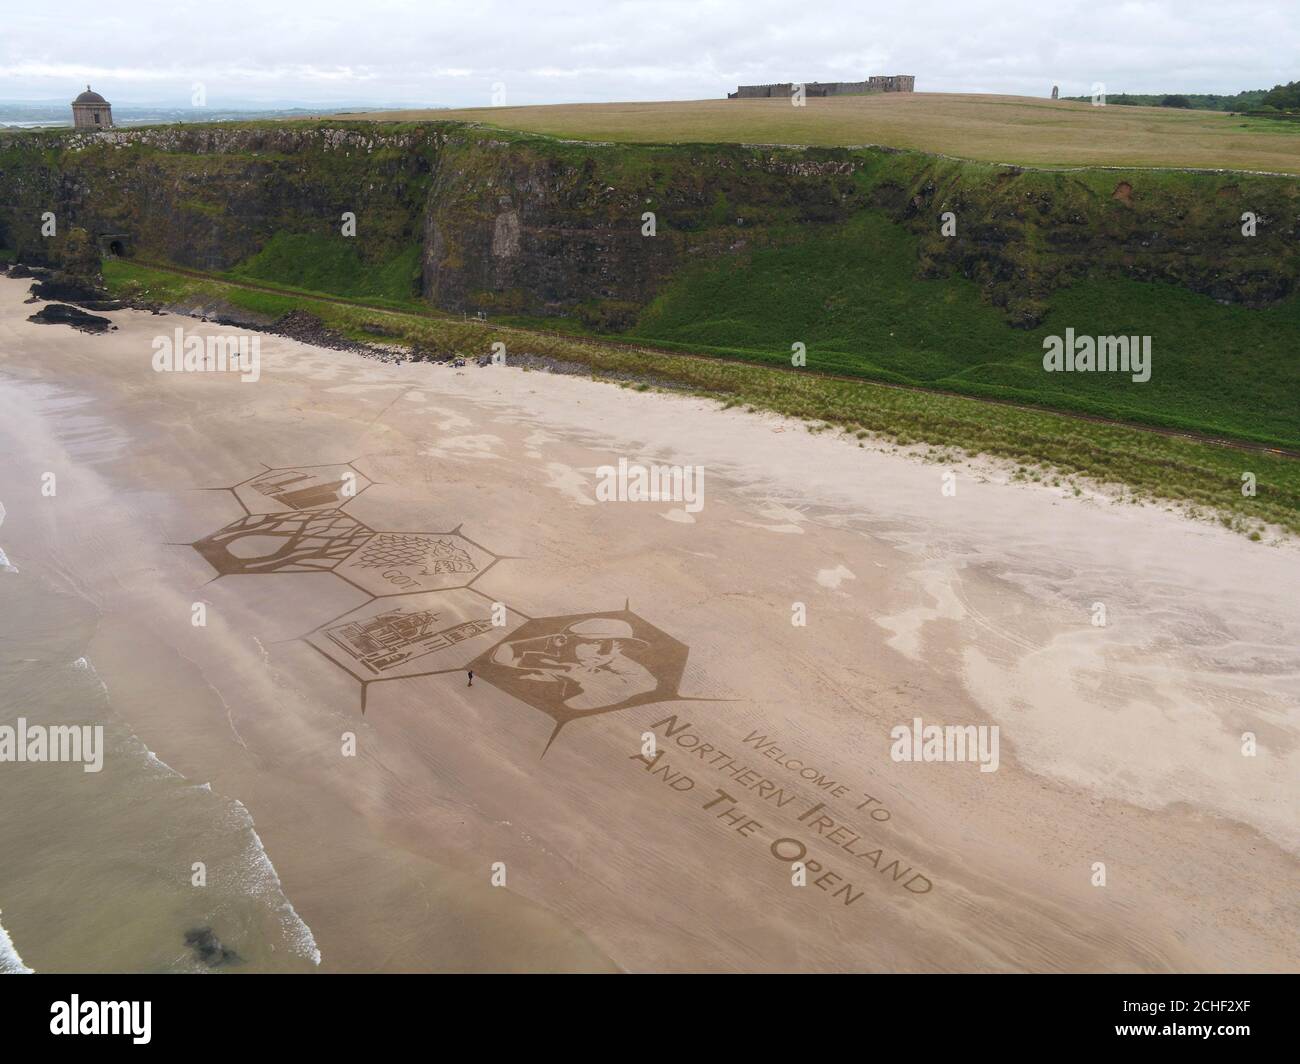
91	111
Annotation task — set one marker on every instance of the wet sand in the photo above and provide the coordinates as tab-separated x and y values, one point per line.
1120	745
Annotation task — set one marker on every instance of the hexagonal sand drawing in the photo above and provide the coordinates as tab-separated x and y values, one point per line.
585	664
311	542
426	634
404	563
307	487
578	665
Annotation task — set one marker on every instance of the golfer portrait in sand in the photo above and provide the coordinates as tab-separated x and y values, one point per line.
585	664
590	664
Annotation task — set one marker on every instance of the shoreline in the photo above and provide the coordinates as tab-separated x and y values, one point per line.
1118	743
231	315
1153	465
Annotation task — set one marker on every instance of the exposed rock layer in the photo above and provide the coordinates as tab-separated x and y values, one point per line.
530	225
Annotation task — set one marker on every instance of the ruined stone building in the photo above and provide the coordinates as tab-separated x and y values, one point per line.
91	111
875	83
891	83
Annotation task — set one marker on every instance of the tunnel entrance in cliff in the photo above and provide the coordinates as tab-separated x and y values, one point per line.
116	245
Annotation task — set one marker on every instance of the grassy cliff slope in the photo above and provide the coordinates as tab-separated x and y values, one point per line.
753	249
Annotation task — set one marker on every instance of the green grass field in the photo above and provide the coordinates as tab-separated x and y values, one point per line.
1000	129
1048	448
320	264
851	297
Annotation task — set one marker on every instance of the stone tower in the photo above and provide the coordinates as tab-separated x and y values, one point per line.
91	111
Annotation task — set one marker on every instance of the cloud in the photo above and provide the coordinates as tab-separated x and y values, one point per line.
451	52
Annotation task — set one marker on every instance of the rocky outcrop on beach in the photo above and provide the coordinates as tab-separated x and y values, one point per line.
208	948
19	270
63	314
309	329
88	297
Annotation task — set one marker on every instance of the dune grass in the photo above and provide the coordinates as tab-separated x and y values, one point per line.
1147	467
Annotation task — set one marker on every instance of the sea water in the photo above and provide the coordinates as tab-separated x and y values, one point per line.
134	868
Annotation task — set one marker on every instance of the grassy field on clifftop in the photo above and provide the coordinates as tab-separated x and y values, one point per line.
1002	129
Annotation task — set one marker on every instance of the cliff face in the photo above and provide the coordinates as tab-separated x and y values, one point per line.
210	197
526	225
531	227
1024	234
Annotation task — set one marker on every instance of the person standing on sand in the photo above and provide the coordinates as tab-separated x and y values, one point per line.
471	678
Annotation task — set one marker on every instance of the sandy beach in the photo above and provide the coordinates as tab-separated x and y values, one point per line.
321	512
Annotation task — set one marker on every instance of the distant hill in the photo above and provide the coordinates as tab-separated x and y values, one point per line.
1193	101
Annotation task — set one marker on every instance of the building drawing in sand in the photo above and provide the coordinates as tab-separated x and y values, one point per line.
396	637
298	491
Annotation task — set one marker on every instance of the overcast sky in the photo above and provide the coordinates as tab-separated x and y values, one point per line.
433	53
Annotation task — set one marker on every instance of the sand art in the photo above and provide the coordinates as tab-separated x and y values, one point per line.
567	667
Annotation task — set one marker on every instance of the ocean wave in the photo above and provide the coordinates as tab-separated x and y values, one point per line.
264	882
84	664
10	962
258	877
